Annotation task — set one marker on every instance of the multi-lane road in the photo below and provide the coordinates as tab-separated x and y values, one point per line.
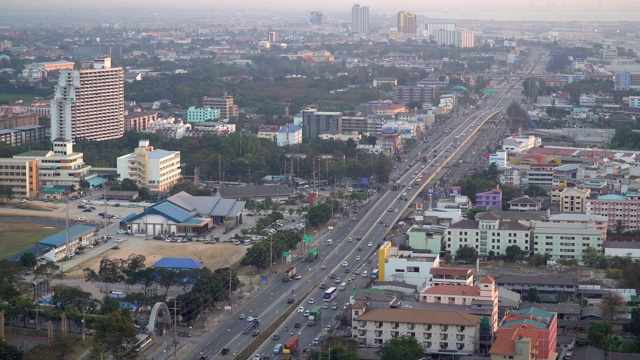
271	302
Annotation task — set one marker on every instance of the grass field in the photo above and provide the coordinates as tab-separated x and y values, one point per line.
16	236
14	97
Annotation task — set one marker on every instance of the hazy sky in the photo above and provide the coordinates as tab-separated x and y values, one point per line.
587	10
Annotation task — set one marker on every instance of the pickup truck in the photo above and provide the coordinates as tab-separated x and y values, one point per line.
252	325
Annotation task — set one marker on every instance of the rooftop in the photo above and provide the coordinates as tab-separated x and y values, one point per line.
459	290
420	317
59	239
255	190
536	280
177	263
450	271
505	342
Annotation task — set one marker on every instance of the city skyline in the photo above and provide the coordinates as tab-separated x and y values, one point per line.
499	10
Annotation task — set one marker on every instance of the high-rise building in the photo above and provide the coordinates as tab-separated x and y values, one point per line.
316	123
89	103
21	175
445	37
272	37
429	26
317	17
467	38
626	80
407	23
157	170
360	19
224	104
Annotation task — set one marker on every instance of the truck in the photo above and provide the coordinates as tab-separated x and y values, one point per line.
425	158
306	354
252	325
314	316
289	274
312	254
290	347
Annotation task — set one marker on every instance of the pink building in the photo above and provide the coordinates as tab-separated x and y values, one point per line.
617	208
544	323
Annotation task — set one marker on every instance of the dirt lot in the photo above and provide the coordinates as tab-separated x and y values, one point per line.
211	255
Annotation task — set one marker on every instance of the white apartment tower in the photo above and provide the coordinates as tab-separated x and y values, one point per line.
360	19
89	103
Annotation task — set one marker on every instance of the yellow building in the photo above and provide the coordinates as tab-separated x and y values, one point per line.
21	175
573	200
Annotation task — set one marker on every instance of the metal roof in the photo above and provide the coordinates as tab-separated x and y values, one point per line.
59	239
177	263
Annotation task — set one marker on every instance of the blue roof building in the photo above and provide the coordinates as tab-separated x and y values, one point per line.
177	264
55	246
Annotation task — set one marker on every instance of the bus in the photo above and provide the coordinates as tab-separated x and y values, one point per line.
374	274
330	294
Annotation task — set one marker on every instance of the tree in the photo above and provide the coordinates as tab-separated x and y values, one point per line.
167	278
401	348
69	295
598	335
6	192
610	306
534	190
48	272
337	352
532	294
28	260
513	253
319	214
110	272
466	254
633	326
116	333
10	352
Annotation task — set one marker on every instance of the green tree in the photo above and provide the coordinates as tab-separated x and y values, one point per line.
48	272
64	296
599	334
466	254
28	260
513	253
110	272
532	294
166	278
401	348
633	326
319	214
10	352
115	333
534	190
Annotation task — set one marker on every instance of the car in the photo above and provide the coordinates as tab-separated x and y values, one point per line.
350	240
311	301
353	218
404	193
333	276
291	300
316	342
250	319
255	333
325	306
358	258
359	248
242	317
369	244
323	286
158	237
298	277
118	240
301	309
352	276
120	231
386	224
346	271
337	281
275	337
323	267
296	325
395	210
345	264
87	210
256	357
327	328
225	351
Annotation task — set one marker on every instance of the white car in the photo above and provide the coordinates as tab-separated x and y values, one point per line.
369	244
311	301
358	258
118	240
345	264
301	309
404	193
350	239
120	231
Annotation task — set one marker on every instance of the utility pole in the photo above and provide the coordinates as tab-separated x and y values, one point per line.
175	328
219	171
270	258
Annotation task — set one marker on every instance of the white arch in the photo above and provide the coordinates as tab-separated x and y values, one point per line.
159	306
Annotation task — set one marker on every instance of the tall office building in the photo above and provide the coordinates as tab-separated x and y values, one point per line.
224	104
407	23
428	27
317	17
316	123
360	19
467	38
272	37
89	103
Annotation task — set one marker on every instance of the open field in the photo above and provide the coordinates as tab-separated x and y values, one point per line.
212	256
16	236
14	97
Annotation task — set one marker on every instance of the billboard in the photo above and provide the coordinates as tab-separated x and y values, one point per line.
455	191
365	181
359	204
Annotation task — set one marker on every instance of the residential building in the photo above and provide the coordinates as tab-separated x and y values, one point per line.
461	202
541	322
451	276
269	132
224	104
390	143
626	80
139	121
405	94
168	128
620	210
60	166
446	37
13	118
317	17
485	296
157	170
359	19
491	199
40	107
428	27
217	128
377	82
566	240
520	144
41	70
289	135
525	203
440	332
597	221
467	38
593	99
634	102
198	115
406	266
545	284
316	123
516	344
22	135
89	103
574	200
366	126
488	233
21	176
407	23
499	158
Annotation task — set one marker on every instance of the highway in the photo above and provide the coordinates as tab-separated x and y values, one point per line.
271	303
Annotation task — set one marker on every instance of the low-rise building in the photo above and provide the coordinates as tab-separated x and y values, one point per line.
289	135
516	344
520	144
491	199
566	240
406	266
62	245
450	333
573	200
157	170
215	128
525	203
23	135
543	323
168	128
451	276
198	115
269	132
138	121
21	176
544	284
